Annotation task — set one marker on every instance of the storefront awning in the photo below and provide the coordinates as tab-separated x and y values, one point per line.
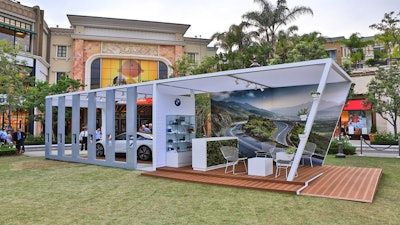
358	104
12	27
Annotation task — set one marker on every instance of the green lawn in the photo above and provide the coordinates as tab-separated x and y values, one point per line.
38	191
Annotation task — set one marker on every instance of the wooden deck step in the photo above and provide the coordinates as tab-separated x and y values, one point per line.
230	181
347	183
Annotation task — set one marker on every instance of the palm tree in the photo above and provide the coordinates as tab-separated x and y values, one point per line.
235	41
285	43
271	18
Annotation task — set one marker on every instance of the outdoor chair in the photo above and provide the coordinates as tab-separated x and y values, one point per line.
231	155
308	152
266	149
283	161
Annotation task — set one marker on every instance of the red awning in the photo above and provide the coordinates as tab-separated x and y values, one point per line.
358	104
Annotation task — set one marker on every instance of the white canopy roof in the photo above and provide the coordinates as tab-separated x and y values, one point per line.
276	76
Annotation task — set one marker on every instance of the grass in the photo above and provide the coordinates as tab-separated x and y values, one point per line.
38	191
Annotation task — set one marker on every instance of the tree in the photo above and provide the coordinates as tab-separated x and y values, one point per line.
183	67
308	47
14	78
384	94
41	89
356	43
271	18
235	41
390	28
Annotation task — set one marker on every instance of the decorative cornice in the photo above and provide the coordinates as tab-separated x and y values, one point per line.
124	39
125	24
61	31
190	40
15	8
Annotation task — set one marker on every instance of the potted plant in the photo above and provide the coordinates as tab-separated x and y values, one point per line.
291	150
315	94
372	132
302	113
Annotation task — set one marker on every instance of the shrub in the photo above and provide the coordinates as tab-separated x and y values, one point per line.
348	149
373	129
384	139
5	150
39	140
34	140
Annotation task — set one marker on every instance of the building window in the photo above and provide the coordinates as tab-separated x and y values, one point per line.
191	56
60	75
379	52
16	32
61	51
162	70
332	54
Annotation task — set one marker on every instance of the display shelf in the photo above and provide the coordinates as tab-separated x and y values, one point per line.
180	132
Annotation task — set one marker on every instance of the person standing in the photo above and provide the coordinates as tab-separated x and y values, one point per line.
3	135
19	139
83	138
9	139
98	134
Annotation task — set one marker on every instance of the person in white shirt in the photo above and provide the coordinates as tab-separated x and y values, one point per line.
3	135
98	134
83	138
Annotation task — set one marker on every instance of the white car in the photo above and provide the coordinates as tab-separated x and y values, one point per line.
144	145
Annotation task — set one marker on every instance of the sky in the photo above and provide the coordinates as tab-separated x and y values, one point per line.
332	18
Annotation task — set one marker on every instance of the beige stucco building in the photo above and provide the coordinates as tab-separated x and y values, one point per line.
24	27
74	50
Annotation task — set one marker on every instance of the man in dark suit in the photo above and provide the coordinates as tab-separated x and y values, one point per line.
19	139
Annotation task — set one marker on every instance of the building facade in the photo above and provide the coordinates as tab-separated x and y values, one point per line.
103	52
357	118
24	27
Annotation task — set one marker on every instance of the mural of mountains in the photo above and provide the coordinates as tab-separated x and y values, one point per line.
242	111
326	110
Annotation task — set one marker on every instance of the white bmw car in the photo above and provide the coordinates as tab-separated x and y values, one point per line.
144	145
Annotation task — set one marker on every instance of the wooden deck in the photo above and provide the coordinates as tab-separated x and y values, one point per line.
347	183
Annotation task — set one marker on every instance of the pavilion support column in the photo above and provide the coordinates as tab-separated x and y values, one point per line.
110	126
61	127
75	125
48	136
131	126
309	123
91	123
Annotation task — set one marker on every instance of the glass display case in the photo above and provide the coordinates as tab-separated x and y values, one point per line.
180	132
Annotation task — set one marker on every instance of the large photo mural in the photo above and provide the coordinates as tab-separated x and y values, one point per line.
277	116
106	72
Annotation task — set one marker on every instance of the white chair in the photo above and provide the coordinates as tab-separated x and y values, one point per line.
308	152
283	161
231	155
266	149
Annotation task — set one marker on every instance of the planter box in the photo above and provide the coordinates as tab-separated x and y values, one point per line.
199	161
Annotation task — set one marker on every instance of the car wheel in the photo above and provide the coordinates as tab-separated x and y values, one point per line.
144	153
99	149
